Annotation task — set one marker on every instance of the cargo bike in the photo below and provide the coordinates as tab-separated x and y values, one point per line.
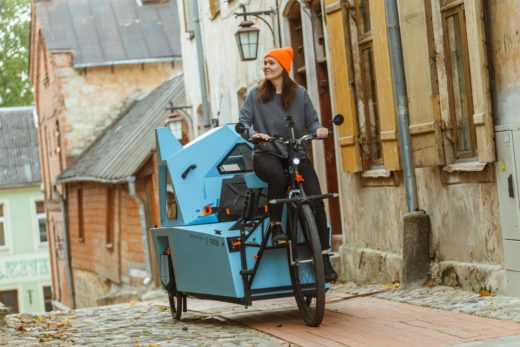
215	238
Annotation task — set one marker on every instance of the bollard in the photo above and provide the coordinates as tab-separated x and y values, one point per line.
416	248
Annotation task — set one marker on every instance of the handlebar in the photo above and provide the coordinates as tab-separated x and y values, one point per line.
287	142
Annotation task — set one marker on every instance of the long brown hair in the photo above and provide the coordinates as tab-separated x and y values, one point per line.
266	90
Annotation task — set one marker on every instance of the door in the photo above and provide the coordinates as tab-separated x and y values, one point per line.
325	109
10	299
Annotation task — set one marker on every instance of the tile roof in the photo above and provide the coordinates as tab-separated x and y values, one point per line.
125	145
19	157
106	32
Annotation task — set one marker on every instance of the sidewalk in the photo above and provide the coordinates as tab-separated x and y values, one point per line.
386	316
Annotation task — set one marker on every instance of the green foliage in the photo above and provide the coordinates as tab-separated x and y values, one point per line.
15	86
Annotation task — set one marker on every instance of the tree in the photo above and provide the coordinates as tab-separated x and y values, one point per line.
15	86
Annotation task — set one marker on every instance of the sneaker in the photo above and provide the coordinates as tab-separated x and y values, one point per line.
330	274
278	237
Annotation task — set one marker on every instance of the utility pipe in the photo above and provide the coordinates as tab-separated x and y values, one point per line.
144	228
200	60
396	57
64	216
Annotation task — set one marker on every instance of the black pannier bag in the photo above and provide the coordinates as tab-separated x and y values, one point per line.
233	196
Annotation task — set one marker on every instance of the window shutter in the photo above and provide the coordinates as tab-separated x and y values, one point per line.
214	8
343	83
480	81
385	92
421	83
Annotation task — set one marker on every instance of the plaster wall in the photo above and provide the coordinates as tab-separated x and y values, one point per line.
465	241
502	22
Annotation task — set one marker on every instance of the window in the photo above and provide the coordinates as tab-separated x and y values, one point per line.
40	216
214	8
10	299
3	229
240	159
81	230
109	236
296	31
368	112
187	9
47	298
455	40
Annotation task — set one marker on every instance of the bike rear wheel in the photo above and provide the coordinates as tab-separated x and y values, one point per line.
306	266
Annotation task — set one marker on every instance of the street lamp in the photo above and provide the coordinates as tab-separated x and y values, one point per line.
247	34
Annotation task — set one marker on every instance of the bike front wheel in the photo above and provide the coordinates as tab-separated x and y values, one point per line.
306	266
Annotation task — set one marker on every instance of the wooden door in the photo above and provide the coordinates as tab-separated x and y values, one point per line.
325	110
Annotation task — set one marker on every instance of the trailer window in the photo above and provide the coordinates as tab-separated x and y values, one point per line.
240	159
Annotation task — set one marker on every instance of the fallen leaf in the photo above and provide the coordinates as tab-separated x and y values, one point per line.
162	308
133	302
154	345
40	318
484	293
20	328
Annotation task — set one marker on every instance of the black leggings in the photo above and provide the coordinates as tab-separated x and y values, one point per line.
270	169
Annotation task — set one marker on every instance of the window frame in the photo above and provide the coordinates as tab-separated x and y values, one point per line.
110	217
79	206
457	7
6	226
364	41
38	244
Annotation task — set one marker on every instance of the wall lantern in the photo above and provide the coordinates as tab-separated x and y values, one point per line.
247	40
175	122
247	34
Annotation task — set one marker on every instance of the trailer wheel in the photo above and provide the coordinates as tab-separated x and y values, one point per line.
174	296
175	299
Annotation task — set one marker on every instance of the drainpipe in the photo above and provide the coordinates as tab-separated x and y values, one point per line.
396	56
200	60
416	223
64	216
144	228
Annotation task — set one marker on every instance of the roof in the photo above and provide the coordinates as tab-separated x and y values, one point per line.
126	144
19	157
107	32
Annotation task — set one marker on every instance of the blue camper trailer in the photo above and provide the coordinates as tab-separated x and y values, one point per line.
214	239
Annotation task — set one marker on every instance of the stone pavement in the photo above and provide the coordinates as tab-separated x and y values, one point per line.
356	316
141	324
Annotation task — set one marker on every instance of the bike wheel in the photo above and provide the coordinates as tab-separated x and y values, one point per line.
306	267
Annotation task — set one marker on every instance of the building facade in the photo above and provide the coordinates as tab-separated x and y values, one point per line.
25	277
462	81
89	63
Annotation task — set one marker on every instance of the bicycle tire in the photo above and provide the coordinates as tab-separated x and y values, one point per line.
307	273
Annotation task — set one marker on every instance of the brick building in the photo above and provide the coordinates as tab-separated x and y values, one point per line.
88	64
112	190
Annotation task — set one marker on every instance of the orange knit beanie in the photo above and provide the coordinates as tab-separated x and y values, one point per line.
283	56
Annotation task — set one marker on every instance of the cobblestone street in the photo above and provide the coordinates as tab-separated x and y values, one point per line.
142	324
372	315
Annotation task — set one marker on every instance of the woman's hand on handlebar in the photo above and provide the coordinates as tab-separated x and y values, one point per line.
260	137
322	133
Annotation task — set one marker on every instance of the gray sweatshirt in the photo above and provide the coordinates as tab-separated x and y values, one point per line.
269	118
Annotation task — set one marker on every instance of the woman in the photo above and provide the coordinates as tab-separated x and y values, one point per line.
264	113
